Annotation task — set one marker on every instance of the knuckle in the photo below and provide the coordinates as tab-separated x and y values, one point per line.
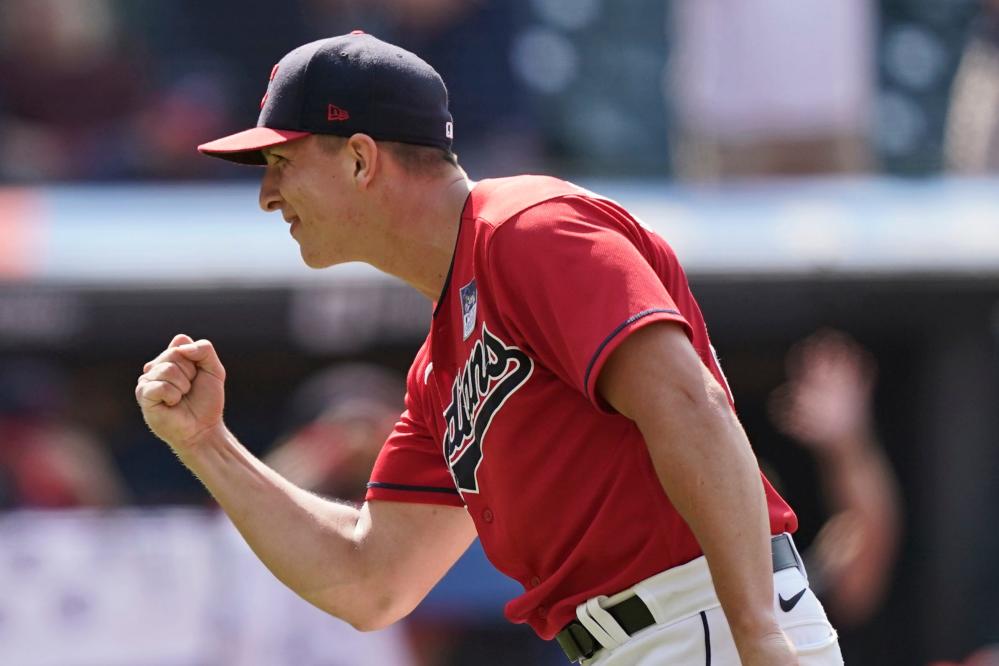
187	368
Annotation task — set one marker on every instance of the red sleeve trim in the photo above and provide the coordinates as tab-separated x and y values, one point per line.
615	338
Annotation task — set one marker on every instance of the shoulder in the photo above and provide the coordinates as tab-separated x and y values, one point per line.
539	224
497	200
571	220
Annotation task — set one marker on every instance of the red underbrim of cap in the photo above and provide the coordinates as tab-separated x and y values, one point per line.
244	147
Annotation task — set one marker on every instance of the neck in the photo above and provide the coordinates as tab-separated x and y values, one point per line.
424	229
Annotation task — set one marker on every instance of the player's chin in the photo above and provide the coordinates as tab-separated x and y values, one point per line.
314	260
311	262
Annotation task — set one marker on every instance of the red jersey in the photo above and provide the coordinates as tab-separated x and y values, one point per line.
502	413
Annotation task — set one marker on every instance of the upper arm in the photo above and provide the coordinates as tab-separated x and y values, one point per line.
697	446
406	549
655	373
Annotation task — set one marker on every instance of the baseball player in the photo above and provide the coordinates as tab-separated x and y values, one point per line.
566	407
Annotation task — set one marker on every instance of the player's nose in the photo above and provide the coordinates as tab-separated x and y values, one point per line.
270	197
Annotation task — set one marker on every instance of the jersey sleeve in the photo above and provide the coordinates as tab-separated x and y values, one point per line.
411	465
575	277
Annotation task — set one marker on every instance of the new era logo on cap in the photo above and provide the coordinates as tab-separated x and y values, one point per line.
449	130
336	114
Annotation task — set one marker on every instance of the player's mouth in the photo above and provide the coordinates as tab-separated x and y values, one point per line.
294	222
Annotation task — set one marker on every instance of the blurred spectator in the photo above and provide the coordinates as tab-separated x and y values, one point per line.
342	417
72	85
209	63
826	406
120	89
85	96
45	460
971	144
761	87
181	113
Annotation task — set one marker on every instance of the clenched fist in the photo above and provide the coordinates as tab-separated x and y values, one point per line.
182	391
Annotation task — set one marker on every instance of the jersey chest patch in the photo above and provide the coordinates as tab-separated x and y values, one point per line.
492	373
469	307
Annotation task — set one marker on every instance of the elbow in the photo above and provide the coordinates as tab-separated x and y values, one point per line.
381	608
373	622
376	617
365	608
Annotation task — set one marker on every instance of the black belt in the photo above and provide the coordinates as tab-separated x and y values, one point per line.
633	615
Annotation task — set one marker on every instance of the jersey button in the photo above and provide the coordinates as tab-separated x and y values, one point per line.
535	581
487	515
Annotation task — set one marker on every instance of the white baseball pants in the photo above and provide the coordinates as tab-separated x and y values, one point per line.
691	629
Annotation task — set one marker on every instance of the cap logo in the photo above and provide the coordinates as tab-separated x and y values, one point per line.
335	114
449	129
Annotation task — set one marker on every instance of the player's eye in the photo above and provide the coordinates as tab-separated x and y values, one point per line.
275	159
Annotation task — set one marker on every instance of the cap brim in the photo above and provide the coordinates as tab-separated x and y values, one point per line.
244	147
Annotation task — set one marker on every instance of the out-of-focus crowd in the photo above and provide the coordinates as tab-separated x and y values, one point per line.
110	90
124	89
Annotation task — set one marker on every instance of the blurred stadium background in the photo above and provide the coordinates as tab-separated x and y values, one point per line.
816	165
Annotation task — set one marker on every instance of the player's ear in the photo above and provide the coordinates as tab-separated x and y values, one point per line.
363	152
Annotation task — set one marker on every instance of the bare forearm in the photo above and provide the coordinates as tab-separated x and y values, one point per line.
715	484
709	472
309	543
711	475
368	566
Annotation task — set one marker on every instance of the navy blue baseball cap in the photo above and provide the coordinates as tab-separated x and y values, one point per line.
343	85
